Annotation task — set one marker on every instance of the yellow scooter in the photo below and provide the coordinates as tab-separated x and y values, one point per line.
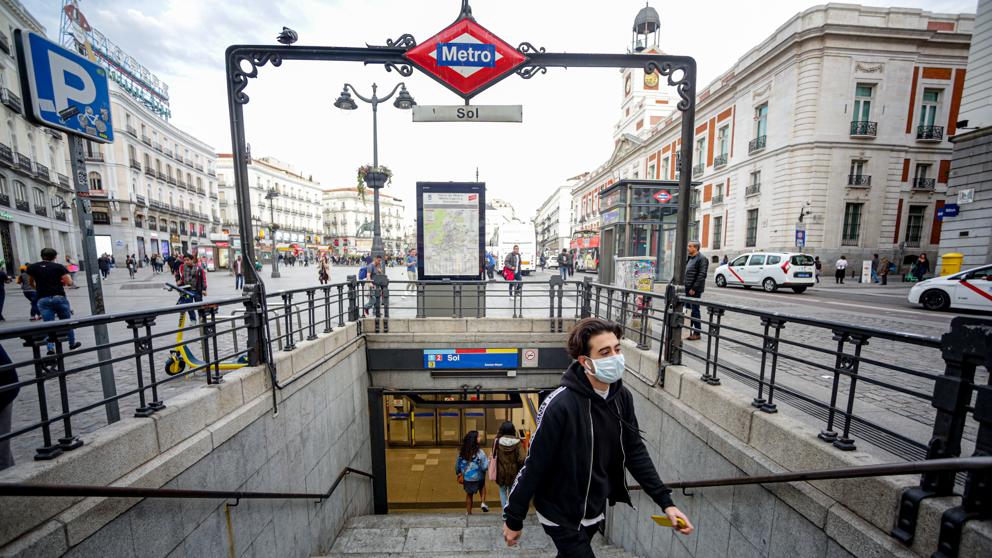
180	357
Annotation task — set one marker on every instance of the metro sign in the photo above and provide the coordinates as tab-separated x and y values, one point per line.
662	196
465	57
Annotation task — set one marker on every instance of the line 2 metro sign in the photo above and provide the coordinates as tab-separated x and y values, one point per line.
62	89
465	57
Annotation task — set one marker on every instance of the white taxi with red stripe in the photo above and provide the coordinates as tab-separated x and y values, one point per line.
971	289
768	270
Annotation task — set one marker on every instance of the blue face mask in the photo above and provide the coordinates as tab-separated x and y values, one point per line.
608	369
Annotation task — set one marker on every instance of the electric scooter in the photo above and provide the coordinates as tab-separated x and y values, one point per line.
181	356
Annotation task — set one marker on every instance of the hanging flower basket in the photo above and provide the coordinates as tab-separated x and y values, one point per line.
372	177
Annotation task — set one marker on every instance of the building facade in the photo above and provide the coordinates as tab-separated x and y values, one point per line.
553	223
154	190
285	205
831	133
969	191
36	195
349	218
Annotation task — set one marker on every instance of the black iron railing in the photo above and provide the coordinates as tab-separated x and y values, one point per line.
757	144
5	200
6	154
752	190
24	163
717	199
864	128
924	183
22	205
63	181
859	180
929	133
720	160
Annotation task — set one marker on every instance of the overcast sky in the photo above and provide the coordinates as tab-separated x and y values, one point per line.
568	114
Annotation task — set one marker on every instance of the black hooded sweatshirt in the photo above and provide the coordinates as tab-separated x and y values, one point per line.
578	454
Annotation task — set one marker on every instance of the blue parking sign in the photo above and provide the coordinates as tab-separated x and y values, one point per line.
63	89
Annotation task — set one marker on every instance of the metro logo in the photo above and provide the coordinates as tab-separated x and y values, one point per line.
466	54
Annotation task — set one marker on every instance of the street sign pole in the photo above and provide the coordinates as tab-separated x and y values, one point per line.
94	284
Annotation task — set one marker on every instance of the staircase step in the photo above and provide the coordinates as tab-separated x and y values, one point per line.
416	535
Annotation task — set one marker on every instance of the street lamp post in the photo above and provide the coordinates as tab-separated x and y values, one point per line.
271	195
375	179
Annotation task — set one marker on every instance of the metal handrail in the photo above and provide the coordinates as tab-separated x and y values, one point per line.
87	491
863	471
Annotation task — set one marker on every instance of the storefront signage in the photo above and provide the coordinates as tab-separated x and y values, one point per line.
471	359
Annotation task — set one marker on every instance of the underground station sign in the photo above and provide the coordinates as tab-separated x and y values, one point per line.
471	359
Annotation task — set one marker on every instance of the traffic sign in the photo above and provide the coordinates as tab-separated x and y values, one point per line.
465	57
468	113
951	210
662	196
64	90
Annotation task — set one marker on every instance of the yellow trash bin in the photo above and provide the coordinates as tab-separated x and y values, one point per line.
950	263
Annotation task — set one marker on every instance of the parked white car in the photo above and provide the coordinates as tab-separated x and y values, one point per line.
971	289
768	270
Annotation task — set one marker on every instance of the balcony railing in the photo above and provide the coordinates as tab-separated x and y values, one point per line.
63	181
720	160
211	172
60	216
6	155
157	146
149	172
199	168
859	180
171	180
929	133
140	199
5	200
132	131
757	144
41	210
752	190
41	171
146	140
864	128
24	163
912	243
924	183
699	169
161	175
135	164
11	100
717	199
22	205
98	156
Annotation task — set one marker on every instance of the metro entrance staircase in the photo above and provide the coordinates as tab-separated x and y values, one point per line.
446	534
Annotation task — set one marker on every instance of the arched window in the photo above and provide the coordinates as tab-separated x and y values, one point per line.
96	182
20	192
39	199
4	192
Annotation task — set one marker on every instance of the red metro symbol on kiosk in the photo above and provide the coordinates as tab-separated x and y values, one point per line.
662	196
465	57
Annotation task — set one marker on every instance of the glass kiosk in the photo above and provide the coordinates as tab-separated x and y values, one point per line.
638	219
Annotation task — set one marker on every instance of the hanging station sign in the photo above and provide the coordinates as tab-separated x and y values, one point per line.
466	57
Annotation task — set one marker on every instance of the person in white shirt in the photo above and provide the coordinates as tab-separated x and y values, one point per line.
839	269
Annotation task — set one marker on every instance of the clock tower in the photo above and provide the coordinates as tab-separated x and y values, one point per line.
647	99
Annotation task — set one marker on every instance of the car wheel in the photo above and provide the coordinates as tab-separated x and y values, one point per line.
799	290
769	285
935	300
721	281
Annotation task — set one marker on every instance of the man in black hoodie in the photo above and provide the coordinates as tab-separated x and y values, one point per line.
586	437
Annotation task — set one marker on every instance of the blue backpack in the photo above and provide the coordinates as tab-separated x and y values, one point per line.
363	273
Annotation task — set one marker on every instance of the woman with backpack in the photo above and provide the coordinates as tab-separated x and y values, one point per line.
471	467
508	458
29	292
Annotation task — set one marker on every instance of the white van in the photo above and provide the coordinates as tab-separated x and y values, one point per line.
769	270
522	234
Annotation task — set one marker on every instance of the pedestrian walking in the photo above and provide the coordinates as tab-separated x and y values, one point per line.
922	267
696	269
874	268
470	468
512	263
50	280
817	267
73	268
411	270
490	265
507	459
373	270
103	262
8	376
132	266
586	437
839	268
24	280
323	274
563	259
238	267
883	271
193	278
4	279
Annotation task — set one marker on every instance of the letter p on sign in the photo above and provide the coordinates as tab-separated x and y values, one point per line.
62	89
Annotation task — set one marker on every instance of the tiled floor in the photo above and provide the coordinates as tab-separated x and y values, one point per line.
424	478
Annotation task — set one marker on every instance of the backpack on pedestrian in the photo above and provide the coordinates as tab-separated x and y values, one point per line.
363	273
